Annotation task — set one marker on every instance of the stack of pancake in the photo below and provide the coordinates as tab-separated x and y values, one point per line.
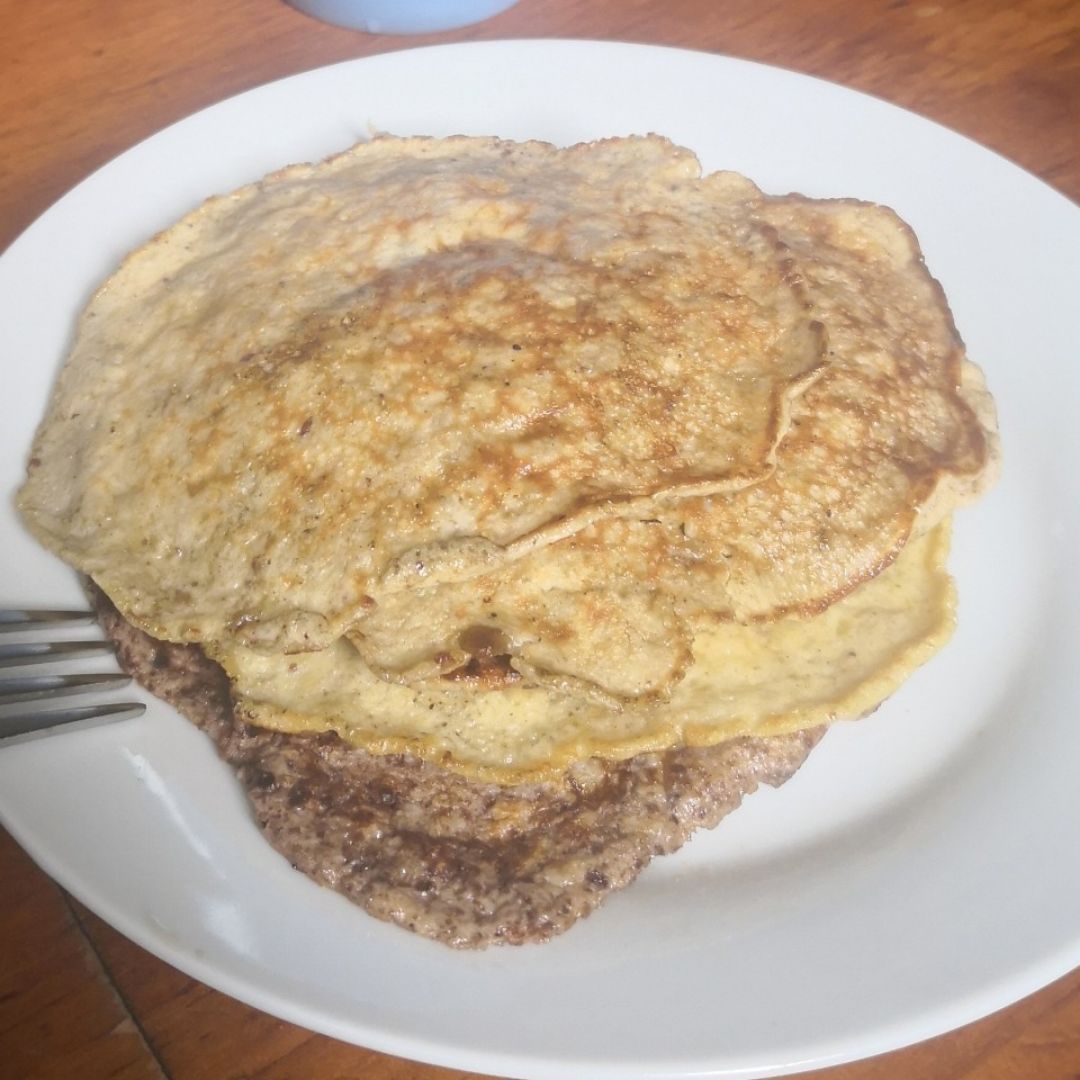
507	512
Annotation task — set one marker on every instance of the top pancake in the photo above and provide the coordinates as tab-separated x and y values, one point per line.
411	364
896	431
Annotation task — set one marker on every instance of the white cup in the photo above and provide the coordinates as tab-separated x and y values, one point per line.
402	16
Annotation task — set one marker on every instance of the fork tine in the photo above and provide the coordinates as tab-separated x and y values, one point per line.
25	700
36	723
41	652
41	687
14	620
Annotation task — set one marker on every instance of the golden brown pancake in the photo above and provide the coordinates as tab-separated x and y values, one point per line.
896	432
755	679
505	513
506	455
411	363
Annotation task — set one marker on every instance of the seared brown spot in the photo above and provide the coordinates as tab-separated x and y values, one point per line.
488	665
488	672
484	641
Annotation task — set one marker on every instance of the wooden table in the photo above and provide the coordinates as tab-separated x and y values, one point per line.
81	80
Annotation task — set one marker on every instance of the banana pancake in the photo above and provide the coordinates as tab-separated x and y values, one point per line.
896	432
564	408
408	363
507	512
743	679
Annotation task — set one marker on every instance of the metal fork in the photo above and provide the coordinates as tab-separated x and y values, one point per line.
27	699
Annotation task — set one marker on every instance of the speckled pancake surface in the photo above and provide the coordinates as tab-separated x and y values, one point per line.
412	362
759	679
896	432
505	455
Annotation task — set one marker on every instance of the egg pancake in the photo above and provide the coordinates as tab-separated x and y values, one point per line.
506	512
896	432
745	679
411	363
568	410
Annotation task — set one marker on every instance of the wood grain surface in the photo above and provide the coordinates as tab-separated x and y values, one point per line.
81	80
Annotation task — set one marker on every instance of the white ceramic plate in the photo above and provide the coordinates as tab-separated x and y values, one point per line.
919	872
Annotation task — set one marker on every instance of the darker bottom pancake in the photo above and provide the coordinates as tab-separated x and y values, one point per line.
467	863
